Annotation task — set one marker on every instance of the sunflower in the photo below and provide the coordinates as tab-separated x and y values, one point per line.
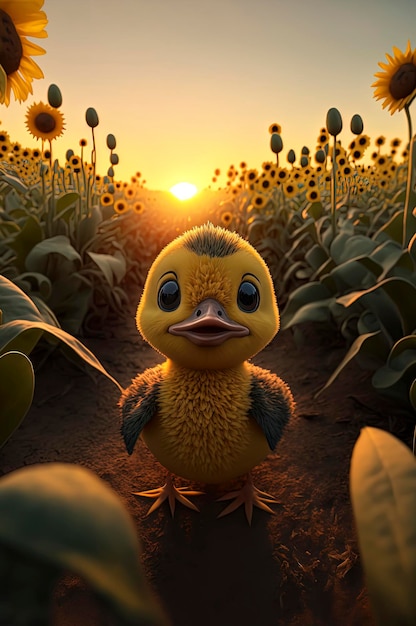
138	207
290	189
120	206
20	19
107	199
275	128
44	122
397	83
258	201
313	195
226	218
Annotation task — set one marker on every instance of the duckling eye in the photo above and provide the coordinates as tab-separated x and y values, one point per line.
248	297
169	296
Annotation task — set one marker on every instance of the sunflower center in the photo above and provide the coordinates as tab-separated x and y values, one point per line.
403	82
11	50
45	122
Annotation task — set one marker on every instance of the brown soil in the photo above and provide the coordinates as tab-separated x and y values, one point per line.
298	567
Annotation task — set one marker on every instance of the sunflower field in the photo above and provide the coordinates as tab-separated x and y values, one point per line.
336	225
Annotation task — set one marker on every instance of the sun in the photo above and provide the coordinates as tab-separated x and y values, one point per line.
183	191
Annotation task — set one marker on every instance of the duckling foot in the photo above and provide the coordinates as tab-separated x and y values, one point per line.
172	494
250	496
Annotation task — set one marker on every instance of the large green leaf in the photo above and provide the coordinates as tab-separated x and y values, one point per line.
15	304
305	295
112	266
88	228
37	259
393	229
399	372
15	335
393	300
383	494
64	202
371	345
351	274
316	256
346	247
29	236
14	182
17	384
64	515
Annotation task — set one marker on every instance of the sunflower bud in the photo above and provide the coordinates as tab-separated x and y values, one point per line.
320	156
305	150
334	122
69	154
111	142
111	188
54	96
357	125
291	156
110	172
114	158
276	143
91	117
304	161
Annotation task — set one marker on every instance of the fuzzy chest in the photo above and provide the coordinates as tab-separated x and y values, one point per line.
203	419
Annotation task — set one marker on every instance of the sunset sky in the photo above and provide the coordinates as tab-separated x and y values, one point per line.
187	86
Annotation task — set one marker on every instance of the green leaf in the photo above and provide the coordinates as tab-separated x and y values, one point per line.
313	312
29	236
88	228
38	283
17	383
314	210
387	254
316	256
15	304
70	300
112	266
400	368
393	300
14	182
393	229
383	494
64	515
351	274
64	201
412	394
304	295
371	343
346	247
37	259
14	334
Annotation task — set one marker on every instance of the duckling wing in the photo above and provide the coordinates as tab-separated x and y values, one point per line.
138	404
272	403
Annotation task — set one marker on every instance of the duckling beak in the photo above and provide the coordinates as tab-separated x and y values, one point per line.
209	325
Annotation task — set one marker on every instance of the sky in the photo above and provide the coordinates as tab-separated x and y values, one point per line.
188	86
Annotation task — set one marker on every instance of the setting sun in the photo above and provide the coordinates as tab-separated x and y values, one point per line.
183	191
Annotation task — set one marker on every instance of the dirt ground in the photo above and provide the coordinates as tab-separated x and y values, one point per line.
298	567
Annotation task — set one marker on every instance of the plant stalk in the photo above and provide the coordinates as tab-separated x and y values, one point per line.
409	220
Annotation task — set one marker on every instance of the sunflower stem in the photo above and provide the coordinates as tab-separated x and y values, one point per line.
409	122
334	188
409	220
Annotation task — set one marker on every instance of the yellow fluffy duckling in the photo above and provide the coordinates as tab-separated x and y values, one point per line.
207	413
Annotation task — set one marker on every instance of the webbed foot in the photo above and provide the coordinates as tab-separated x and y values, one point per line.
170	493
250	496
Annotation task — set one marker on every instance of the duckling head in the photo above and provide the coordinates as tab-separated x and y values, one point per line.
208	301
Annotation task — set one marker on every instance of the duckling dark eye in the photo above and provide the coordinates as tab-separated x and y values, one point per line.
248	297
169	296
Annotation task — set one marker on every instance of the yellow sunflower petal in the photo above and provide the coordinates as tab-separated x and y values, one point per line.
28	64
31	48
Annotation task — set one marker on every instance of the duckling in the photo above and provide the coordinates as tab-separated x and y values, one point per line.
206	413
